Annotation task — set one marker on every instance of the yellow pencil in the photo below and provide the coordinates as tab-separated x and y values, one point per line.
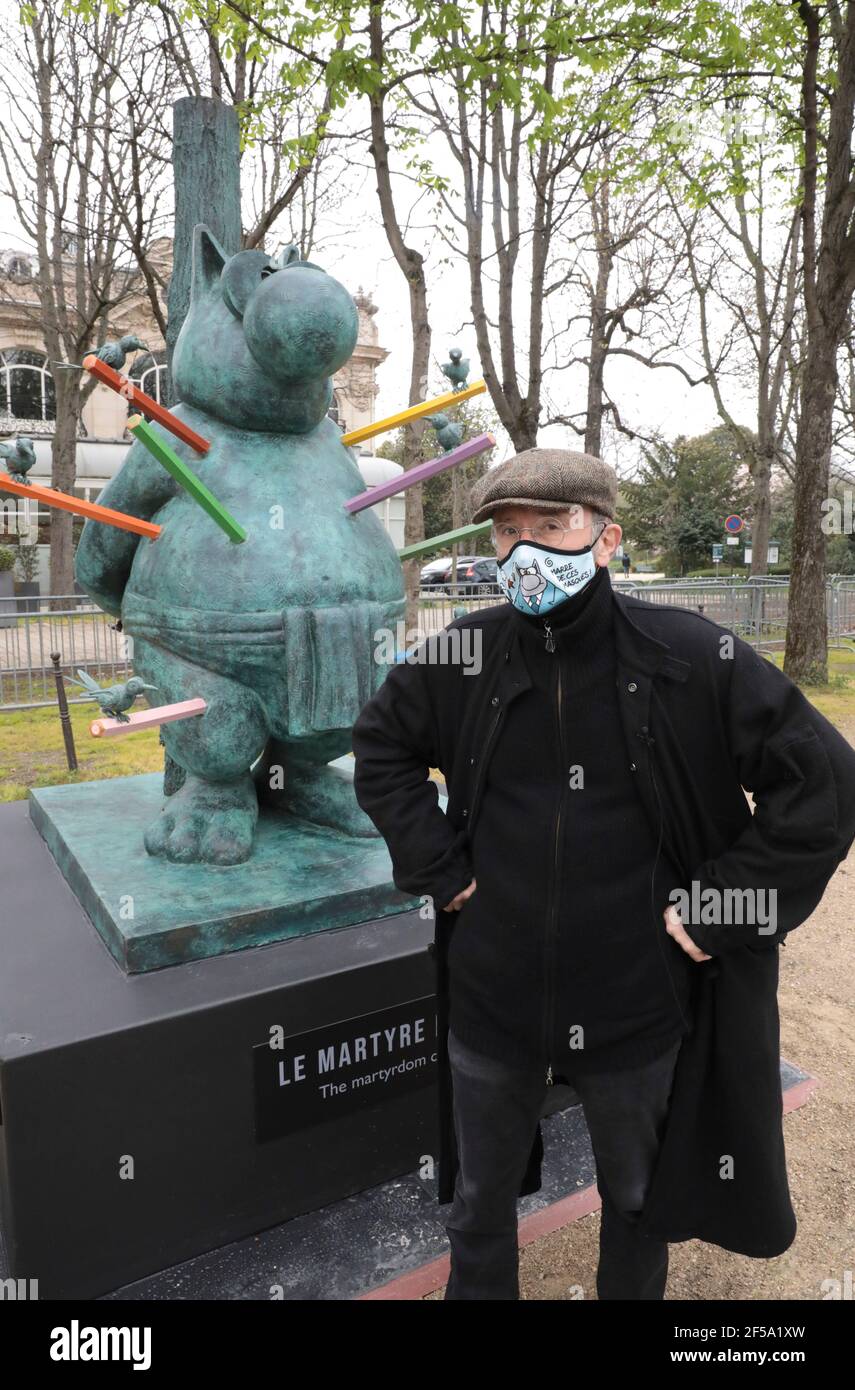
413	412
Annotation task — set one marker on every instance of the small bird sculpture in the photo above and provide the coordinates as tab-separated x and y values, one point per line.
448	432
457	370
20	456
113	699
114	354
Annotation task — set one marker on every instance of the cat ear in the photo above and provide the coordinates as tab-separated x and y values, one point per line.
208	260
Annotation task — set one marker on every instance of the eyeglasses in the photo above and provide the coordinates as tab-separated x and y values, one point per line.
549	532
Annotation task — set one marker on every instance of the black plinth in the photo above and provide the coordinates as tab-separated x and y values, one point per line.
147	1118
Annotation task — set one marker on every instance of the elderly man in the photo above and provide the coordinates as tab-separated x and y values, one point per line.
555	873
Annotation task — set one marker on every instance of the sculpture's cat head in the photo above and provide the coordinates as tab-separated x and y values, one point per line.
262	338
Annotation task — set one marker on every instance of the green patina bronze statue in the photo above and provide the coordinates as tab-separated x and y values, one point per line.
19	457
276	634
115	354
448	432
457	368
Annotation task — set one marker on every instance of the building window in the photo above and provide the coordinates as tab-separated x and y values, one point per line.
26	386
335	413
151	374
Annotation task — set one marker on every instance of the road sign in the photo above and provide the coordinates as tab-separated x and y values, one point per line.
733	523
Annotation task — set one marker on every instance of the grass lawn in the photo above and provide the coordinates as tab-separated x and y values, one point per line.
837	699
32	752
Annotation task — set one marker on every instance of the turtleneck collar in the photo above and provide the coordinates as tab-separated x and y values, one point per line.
579	625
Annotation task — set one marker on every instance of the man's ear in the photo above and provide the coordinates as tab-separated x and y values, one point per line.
208	260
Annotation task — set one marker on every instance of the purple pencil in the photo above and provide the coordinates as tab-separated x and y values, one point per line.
419	473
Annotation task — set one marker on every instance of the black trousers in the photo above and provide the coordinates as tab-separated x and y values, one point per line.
496	1112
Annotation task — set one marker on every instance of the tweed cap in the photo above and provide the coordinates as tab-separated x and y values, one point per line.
549	478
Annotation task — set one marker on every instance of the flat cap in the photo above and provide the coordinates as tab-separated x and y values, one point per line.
549	478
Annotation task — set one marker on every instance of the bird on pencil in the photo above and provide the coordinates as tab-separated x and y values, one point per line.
114	354
20	456
448	432
457	370
113	699
111	352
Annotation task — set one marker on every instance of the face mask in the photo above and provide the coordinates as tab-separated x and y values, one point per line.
535	578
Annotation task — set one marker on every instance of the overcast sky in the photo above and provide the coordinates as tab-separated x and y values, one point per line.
353	247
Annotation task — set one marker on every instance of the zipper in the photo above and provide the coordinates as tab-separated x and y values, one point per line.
550	928
550	640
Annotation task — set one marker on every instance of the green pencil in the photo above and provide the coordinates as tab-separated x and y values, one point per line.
160	450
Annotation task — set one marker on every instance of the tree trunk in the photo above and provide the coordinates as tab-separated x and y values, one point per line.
761	509
829	277
411	263
206	160
63	475
597	358
806	657
414	515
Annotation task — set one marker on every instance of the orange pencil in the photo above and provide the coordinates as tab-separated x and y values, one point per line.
51	498
126	388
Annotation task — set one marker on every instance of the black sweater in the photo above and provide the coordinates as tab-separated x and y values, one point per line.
558	956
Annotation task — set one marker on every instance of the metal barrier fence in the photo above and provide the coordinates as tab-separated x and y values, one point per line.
80	632
841	618
438	604
756	610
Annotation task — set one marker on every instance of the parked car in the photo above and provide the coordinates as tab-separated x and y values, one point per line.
438	571
477	576
431	571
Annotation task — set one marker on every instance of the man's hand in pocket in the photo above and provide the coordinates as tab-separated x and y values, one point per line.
674	927
456	903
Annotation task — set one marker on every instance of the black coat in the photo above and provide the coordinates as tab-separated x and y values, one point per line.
703	717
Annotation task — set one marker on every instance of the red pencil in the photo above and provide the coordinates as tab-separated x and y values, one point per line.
125	387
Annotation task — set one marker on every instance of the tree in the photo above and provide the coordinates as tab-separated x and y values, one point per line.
743	258
507	68
71	154
629	266
681	496
829	278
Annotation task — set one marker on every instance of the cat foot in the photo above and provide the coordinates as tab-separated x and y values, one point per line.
206	822
325	796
